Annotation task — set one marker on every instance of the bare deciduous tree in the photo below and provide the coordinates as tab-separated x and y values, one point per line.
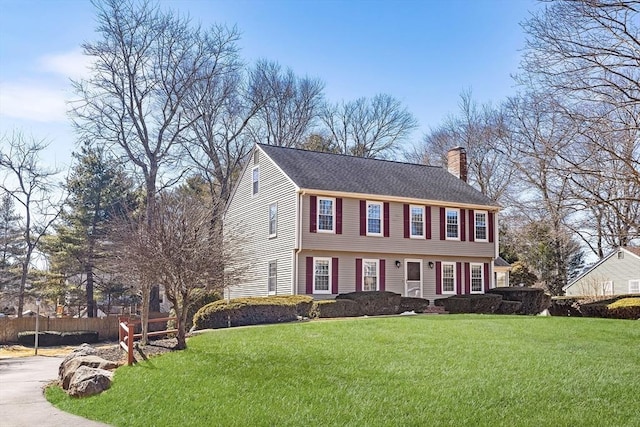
368	127
179	250
32	187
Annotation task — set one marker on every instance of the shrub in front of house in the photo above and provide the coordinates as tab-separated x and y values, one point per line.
565	306
54	338
418	305
303	303
374	303
471	303
621	307
200	299
250	311
336	308
509	307
534	300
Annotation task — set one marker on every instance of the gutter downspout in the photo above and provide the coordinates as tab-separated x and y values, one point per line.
298	243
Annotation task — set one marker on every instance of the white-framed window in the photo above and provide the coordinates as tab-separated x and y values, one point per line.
477	278
417	221
272	283
321	275
326	215
448	278
452	224
255	177
634	286
374	218
370	275
273	220
481	230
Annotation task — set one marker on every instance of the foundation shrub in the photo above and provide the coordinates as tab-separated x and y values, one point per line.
53	338
534	300
474	303
621	307
419	305
336	308
509	307
374	303
247	311
565	306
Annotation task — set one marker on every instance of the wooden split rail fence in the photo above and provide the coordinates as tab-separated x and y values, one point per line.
127	335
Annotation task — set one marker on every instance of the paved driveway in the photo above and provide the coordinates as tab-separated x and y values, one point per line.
22	401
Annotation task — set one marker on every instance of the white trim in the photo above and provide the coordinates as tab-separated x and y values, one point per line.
638	286
333	215
446	223
377	262
455	279
424	225
486	226
275	233
406	273
482	278
381	204
329	262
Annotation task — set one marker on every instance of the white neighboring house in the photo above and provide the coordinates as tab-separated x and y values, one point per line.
616	274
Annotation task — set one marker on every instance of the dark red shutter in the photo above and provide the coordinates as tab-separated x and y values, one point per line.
427	221
463	225
459	277
438	277
309	275
443	223
386	219
407	220
383	272
358	274
472	228
490	231
487	279
334	275
313	217
363	218
338	216
467	278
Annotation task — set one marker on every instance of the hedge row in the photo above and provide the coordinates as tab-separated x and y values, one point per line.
278	309
622	307
54	338
508	300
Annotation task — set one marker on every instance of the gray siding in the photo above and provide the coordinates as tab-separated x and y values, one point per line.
396	243
617	271
394	277
250	215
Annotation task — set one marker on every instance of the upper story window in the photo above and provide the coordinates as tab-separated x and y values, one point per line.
255	174
370	275
273	277
417	221
322	275
480	226
326	215
477	279
453	224
374	218
634	286
273	220
448	278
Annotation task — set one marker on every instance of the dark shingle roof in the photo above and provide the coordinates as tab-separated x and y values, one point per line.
334	172
501	262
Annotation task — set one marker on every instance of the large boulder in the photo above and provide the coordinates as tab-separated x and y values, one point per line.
83	350
68	370
88	381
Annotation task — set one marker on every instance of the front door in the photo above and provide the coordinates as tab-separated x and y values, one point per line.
413	278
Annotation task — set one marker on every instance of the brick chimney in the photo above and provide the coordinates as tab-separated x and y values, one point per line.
457	162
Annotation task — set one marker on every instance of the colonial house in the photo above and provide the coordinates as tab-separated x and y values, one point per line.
321	224
616	274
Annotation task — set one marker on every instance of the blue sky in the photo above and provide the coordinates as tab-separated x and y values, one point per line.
424	53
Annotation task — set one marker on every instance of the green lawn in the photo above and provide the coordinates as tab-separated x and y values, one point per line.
416	371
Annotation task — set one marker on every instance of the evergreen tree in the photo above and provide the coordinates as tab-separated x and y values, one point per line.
99	190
